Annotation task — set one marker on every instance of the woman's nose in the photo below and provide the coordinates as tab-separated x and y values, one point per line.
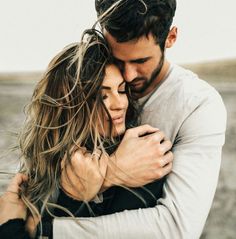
118	102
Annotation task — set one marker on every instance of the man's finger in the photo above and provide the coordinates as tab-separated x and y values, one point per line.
167	158
158	137
142	130
161	172
166	145
167	168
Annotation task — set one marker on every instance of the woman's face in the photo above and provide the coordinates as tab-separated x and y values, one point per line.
115	99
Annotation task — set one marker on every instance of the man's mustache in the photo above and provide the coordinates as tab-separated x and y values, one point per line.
136	80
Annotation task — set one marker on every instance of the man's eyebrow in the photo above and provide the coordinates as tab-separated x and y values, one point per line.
133	60
140	59
117	59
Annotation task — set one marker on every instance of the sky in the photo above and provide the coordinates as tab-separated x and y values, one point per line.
32	32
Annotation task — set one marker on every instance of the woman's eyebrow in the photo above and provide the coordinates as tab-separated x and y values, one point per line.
108	87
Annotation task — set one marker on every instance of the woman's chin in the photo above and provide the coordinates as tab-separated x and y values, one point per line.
118	131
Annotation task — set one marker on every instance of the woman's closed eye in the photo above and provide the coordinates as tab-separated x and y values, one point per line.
105	96
122	91
122	88
106	90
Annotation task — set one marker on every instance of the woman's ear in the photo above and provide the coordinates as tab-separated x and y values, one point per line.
171	38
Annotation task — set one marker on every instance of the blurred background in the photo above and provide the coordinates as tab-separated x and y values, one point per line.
32	32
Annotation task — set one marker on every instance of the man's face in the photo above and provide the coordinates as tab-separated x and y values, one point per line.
140	62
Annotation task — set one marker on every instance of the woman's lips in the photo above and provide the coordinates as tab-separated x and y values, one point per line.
118	119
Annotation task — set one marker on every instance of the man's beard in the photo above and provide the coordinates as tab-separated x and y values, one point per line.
147	82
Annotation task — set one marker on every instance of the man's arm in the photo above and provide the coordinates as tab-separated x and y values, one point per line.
188	192
143	149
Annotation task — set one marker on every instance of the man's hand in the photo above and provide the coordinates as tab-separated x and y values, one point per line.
11	205
84	176
142	157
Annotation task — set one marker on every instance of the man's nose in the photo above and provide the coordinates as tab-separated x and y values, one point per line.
130	72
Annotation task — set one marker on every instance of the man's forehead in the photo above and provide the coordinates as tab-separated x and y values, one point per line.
144	38
131	50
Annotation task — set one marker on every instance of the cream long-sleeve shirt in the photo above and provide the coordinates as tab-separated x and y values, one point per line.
193	116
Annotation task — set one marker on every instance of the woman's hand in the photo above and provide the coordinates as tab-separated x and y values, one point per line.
11	205
83	177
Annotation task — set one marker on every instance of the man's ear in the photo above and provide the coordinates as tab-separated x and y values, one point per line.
171	38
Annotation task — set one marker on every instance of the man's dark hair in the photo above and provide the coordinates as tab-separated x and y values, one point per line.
132	19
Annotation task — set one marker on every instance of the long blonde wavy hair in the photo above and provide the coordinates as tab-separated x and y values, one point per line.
64	114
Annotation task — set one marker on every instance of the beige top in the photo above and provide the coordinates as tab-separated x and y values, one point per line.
193	116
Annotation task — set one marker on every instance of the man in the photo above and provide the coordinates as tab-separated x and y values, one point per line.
187	109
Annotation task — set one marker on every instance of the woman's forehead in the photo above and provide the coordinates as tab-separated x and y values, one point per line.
112	76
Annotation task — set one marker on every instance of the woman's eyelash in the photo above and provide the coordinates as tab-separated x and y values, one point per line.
122	91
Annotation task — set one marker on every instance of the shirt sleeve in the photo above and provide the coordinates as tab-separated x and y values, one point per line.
187	194
14	228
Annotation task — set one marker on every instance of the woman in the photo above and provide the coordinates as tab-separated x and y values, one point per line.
80	102
79	110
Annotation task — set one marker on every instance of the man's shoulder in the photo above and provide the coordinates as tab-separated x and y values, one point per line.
182	91
188	81
182	95
188	87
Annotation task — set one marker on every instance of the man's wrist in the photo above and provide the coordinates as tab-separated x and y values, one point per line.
111	178
106	185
